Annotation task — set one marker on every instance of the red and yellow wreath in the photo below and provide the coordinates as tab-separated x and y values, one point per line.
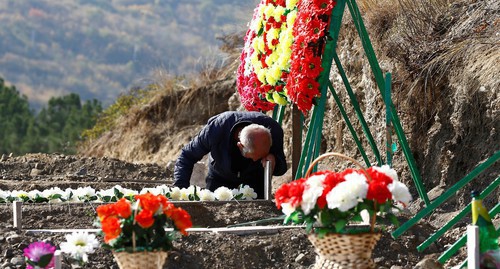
281	59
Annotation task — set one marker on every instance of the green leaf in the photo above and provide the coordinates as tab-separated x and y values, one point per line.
45	260
326	217
357	217
40	199
394	220
296	217
117	192
309	226
340	224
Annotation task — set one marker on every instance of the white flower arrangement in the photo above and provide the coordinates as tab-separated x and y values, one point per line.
79	245
89	194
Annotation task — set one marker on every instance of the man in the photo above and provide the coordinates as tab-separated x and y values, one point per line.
239	144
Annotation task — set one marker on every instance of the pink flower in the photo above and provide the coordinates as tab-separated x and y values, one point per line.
40	254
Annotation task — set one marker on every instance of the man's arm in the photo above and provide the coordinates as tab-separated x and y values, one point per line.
280	166
190	154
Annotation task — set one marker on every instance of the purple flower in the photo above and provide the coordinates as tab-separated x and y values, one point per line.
40	254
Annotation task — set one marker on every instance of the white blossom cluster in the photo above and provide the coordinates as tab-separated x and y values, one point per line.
89	194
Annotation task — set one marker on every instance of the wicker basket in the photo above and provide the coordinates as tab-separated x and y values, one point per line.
343	251
140	260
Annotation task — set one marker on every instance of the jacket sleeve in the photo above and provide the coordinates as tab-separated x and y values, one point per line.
277	150
190	154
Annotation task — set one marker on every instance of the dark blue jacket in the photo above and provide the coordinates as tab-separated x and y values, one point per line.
227	167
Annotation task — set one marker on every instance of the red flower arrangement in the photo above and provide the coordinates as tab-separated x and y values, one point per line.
265	59
144	221
328	201
309	29
281	60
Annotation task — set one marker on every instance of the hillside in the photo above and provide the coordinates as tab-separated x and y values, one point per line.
99	49
445	90
443	56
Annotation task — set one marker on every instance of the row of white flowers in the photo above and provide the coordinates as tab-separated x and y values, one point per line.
89	194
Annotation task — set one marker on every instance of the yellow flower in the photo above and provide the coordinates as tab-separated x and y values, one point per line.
271	59
278	11
290	18
279	99
268	11
261	75
291	4
255	61
273	75
258	44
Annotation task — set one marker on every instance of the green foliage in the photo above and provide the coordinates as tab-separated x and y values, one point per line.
336	221
57	128
109	117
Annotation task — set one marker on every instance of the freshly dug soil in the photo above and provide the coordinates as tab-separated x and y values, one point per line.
286	248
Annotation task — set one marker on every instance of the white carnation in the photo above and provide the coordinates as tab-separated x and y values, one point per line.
223	194
206	195
287	208
400	192
312	190
175	193
386	169
348	193
184	194
79	244
248	193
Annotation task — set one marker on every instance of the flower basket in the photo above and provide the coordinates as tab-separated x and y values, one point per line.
340	209
342	251
136	231
336	251
140	260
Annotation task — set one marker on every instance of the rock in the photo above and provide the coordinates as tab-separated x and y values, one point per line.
379	260
18	261
428	263
300	257
396	267
36	172
81	172
7	265
13	239
8	253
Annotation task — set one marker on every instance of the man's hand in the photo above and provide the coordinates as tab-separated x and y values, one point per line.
270	157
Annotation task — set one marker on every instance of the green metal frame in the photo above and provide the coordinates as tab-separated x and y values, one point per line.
446	195
311	145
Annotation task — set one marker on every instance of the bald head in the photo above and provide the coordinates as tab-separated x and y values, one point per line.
255	141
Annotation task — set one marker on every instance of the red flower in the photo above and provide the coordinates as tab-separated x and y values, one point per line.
105	211
378	191
313	66
331	180
322	7
180	217
111	228
145	218
123	208
290	193
148	201
379	176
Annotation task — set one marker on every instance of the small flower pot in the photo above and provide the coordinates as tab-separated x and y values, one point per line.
343	251
140	260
